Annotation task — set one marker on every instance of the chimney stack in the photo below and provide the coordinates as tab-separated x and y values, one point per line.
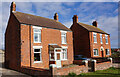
94	23
56	17
13	7
75	19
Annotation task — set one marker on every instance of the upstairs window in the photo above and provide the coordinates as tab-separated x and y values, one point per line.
63	37
95	37
37	35
106	39
107	51
101	38
95	52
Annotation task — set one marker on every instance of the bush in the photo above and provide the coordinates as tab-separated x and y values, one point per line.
72	74
112	68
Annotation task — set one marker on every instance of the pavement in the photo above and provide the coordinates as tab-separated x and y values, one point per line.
7	72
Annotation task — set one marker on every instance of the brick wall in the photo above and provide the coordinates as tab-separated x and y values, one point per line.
74	69
80	40
12	44
103	66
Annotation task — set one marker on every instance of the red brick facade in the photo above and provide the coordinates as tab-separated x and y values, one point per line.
83	42
48	36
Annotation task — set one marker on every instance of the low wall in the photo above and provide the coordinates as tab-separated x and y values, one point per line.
36	71
103	65
75	69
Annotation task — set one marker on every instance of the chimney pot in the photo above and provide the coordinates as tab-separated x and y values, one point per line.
13	7
94	23
75	19
56	17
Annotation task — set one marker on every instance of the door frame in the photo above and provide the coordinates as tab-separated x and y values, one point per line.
56	55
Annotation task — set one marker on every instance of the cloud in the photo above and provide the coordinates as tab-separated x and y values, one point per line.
107	20
61	0
68	24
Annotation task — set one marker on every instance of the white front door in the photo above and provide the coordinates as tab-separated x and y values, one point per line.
58	59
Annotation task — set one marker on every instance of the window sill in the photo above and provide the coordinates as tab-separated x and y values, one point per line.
63	59
96	55
52	60
37	42
37	61
64	43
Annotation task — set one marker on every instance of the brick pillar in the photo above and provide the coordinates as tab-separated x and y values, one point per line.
86	63
110	59
93	65
52	69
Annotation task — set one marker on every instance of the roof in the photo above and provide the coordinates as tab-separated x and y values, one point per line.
92	28
39	21
51	47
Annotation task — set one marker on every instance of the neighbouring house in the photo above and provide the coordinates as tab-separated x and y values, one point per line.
89	40
35	41
115	49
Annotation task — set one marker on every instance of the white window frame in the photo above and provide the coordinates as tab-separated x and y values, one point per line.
106	38
107	51
39	33
50	56
95	37
95	51
101	39
38	47
64	32
66	48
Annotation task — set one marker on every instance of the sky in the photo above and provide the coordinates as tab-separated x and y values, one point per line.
106	14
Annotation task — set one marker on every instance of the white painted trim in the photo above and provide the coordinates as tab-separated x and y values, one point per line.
105	39
108	51
94	33
94	54
106	35
52	44
37	61
37	27
37	47
93	37
63	31
64	46
100	39
64	43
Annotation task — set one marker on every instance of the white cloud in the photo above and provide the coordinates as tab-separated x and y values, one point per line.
24	7
108	24
68	23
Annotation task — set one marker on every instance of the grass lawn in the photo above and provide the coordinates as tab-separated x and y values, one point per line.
111	72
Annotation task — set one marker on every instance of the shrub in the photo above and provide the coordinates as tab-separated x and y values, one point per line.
72	74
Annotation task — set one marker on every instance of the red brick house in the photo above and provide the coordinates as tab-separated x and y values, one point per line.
89	40
35	41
